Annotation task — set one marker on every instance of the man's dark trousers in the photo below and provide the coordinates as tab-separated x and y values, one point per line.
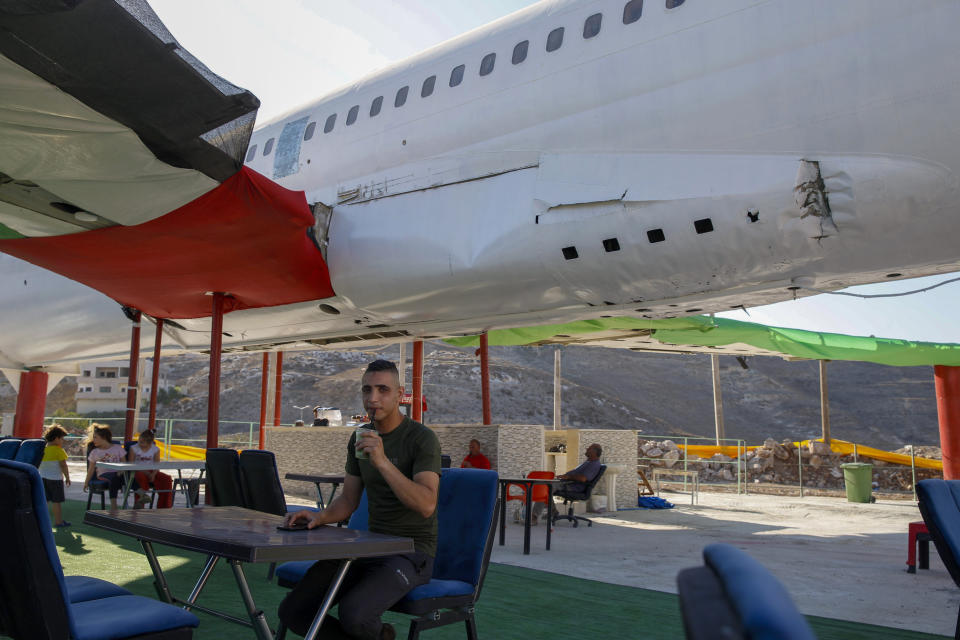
371	586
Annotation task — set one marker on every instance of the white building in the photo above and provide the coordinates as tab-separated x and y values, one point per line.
102	386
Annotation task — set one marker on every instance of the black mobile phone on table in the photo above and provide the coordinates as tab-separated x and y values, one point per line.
294	526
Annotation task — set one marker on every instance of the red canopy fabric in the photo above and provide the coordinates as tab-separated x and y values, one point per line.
248	238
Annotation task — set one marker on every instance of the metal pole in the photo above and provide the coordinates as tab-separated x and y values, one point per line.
800	466
402	365
264	372
485	378
557	390
155	377
132	382
418	380
913	470
216	347
855	452
278	390
717	398
824	403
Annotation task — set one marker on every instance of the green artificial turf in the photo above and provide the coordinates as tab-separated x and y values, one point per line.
516	603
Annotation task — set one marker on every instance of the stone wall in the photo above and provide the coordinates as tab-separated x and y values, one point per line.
455	440
321	450
619	448
521	449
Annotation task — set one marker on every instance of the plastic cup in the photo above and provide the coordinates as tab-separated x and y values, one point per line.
358	433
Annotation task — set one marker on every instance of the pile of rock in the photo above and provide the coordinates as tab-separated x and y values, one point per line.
782	463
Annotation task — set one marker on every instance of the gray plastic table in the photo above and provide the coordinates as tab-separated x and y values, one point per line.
241	535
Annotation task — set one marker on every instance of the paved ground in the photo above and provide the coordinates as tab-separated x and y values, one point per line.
838	559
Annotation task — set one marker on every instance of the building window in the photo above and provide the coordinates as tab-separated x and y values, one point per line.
331	121
520	52
267	148
632	11
401	97
375	106
124	371
486	65
104	389
456	75
555	39
252	152
591	26
673	4
111	374
308	132
427	87
352	114
87	373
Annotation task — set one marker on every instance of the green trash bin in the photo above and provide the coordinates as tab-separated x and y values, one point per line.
858	478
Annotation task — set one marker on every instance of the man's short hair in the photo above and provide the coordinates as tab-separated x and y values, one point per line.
598	449
383	365
475	440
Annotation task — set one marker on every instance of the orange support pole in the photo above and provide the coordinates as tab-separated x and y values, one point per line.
948	410
213	394
485	377
155	376
263	396
278	392
418	380
132	379
31	402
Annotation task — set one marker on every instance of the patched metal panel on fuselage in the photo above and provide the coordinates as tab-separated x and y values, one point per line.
286	159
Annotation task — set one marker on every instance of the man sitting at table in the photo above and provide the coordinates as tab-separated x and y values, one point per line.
577	479
397	461
475	459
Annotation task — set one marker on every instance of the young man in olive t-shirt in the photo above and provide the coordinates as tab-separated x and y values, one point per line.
400	470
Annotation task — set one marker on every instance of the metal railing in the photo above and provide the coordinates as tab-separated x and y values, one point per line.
737	463
169	431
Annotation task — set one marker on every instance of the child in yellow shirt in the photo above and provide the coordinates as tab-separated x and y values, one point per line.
52	467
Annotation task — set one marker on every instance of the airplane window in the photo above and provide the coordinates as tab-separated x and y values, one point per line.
555	39
520	52
308	132
328	125
375	106
267	148
592	25
251	153
673	4
456	76
656	235
486	65
352	114
401	98
427	87
632	11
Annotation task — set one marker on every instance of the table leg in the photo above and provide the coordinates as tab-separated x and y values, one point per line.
527	506
328	600
159	581
320	504
128	482
503	511
260	626
549	513
202	580
333	492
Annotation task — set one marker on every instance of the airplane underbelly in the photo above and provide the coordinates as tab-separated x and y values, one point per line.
593	230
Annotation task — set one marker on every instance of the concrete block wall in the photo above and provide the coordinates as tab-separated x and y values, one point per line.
520	450
619	447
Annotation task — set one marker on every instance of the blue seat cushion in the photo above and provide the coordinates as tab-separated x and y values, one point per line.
83	588
439	589
436	594
290	573
125	617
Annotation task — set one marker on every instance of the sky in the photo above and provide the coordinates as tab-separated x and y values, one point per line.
288	52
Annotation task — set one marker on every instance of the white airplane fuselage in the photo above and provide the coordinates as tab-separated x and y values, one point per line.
718	154
459	204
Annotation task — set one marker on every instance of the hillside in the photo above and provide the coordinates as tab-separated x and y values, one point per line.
882	406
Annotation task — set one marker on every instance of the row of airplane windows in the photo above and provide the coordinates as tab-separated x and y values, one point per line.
632	11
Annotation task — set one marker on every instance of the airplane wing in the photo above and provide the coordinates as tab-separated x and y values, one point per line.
122	170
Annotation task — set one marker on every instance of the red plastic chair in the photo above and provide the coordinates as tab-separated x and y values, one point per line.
539	491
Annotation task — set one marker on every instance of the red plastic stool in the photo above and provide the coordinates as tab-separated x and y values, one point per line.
918	535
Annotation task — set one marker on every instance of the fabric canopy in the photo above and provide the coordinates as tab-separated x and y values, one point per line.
248	238
702	333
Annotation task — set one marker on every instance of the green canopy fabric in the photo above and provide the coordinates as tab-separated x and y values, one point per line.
700	333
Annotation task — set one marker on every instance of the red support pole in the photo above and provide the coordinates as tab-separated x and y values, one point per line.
263	396
278	392
132	379
213	394
948	409
418	380
31	402
155	376
485	377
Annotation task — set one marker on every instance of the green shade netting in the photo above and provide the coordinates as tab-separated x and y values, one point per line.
702	331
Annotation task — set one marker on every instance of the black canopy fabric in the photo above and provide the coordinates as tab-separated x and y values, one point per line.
120	60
